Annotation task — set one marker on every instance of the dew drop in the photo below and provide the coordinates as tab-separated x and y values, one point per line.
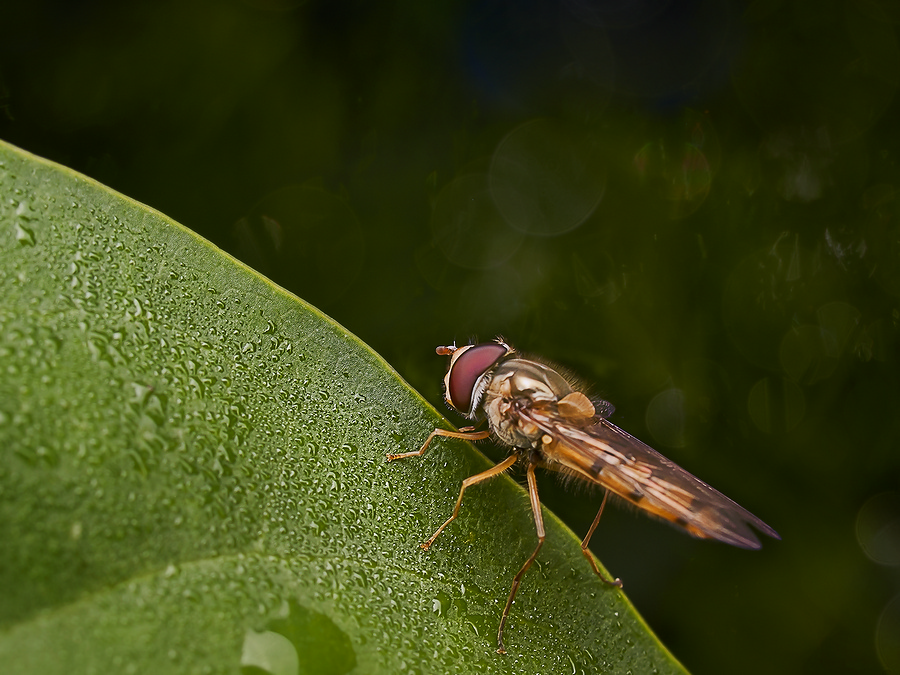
440	603
24	235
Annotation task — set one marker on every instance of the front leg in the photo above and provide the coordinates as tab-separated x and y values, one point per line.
467	435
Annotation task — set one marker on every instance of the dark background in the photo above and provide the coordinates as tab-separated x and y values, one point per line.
693	205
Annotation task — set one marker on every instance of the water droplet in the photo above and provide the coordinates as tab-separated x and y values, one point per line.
270	652
24	235
300	640
24	210
440	603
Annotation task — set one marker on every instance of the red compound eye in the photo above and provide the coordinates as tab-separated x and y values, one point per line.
466	370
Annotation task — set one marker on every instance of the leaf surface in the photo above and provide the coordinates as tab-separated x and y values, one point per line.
193	476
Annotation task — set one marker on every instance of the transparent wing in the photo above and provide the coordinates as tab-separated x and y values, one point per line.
598	451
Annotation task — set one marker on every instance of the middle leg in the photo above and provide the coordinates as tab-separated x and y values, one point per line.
469	482
542	535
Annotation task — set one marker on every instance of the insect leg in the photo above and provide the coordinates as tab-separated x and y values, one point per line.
539	526
469	482
465	435
587	554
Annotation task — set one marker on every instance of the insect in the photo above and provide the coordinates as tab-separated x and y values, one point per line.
546	422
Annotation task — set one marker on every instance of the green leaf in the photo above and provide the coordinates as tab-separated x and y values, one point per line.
193	476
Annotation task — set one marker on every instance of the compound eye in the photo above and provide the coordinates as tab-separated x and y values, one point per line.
467	369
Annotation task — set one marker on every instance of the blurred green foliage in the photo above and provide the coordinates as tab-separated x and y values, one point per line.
691	205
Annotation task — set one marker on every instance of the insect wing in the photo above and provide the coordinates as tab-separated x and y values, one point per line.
600	452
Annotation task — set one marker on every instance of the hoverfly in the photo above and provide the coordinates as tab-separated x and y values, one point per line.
546	422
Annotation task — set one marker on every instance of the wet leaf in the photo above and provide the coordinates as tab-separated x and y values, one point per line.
193	476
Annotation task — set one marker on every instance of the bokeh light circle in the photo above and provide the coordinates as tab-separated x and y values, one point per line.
887	637
467	227
878	528
546	180
665	418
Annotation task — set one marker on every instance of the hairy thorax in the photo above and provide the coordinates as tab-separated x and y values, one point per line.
521	383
